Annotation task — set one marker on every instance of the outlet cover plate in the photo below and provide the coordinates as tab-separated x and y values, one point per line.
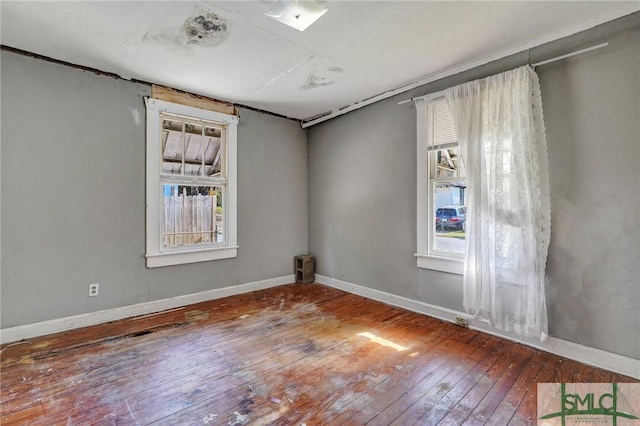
93	289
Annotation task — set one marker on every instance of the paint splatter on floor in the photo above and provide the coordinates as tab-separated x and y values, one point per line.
238	419
209	418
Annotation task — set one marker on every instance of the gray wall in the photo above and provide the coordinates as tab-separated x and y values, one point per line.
592	112
362	191
72	177
73	209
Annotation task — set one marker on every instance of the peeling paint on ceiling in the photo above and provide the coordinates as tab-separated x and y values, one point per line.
206	29
313	82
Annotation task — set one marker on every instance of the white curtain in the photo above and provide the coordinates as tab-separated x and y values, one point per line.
502	139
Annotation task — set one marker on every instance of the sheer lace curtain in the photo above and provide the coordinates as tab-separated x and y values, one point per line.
502	140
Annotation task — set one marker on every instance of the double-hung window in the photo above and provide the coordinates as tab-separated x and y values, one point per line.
191	184
441	215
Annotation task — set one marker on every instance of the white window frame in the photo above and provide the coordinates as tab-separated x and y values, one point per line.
427	257
156	255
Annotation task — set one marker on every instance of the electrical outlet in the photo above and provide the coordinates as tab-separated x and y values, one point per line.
93	289
462	322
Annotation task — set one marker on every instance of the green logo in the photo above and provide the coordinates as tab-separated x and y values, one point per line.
588	404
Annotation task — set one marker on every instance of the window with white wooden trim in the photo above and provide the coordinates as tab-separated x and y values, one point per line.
191	184
441	187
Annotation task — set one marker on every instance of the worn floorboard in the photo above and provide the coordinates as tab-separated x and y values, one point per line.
289	355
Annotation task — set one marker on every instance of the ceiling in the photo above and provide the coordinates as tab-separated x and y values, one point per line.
232	51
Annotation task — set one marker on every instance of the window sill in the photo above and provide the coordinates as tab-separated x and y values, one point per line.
178	258
442	264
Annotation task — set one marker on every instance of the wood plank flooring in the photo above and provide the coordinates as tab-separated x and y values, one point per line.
290	355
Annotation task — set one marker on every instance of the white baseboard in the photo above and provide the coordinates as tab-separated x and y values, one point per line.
13	334
596	357
585	354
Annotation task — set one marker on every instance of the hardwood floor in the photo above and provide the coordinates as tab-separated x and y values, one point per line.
290	355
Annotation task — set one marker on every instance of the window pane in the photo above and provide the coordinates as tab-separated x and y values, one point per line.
172	146
440	127
213	151
193	149
446	163
200	144
449	217
192	215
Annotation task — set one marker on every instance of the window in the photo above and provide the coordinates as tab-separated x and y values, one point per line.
441	188
191	184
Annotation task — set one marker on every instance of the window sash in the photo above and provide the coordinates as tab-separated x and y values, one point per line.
164	248
435	133
439	123
192	180
441	137
156	253
183	179
181	122
432	250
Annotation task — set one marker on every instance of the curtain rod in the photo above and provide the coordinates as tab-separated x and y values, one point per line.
568	55
537	64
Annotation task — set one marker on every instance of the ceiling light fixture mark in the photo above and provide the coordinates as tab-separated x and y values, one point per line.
298	14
